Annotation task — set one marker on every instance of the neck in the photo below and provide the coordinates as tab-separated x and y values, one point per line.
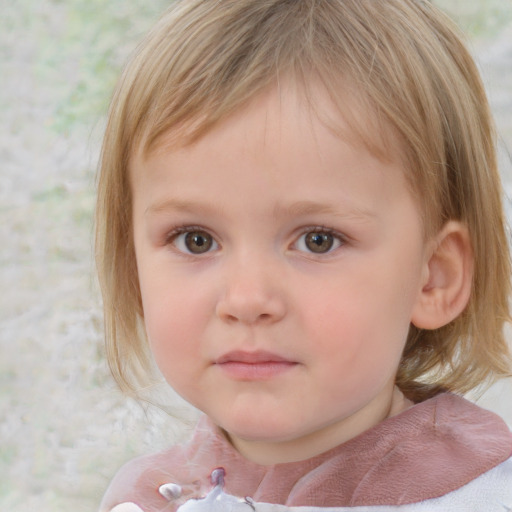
322	440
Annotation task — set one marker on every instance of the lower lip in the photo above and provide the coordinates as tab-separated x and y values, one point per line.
255	371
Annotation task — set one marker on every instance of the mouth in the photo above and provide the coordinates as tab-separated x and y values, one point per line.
250	366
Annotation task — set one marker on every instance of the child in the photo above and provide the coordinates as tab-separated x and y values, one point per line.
299	218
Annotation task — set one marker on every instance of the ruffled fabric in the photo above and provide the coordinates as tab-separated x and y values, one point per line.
425	452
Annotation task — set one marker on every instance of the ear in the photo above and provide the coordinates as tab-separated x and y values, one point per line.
448	276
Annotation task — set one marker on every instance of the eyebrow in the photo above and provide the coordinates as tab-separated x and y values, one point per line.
299	208
312	208
178	205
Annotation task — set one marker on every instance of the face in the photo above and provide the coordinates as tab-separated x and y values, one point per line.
279	268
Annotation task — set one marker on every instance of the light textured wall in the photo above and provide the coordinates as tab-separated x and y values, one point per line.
64	428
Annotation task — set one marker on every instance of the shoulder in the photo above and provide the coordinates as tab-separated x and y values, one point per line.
456	441
139	480
491	491
475	434
428	451
453	443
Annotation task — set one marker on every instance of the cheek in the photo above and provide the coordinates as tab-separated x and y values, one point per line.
356	353
356	337
173	337
173	319
362	321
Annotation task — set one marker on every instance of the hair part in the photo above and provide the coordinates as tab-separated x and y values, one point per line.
405	61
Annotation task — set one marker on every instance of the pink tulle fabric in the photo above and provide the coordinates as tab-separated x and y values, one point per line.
425	452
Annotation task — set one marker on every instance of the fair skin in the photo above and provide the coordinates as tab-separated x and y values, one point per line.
280	268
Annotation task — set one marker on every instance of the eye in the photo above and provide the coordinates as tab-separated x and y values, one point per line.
193	242
319	241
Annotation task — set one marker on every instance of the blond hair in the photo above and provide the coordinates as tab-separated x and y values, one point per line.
206	58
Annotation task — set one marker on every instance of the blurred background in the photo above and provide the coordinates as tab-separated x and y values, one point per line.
64	427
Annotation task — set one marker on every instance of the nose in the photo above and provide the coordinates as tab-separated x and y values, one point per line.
252	293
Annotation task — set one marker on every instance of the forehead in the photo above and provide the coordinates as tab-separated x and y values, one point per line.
341	109
280	147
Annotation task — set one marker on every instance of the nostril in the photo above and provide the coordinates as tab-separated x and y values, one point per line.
231	318
250	305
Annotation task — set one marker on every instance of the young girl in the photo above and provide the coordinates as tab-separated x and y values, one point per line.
299	220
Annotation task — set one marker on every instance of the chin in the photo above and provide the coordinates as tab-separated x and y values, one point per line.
262	429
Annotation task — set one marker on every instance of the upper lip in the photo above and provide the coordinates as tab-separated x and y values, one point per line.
260	356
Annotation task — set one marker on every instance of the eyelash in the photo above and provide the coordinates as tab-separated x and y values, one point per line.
339	239
322	230
174	234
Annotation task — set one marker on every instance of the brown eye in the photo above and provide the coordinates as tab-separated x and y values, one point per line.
319	242
197	242
192	240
